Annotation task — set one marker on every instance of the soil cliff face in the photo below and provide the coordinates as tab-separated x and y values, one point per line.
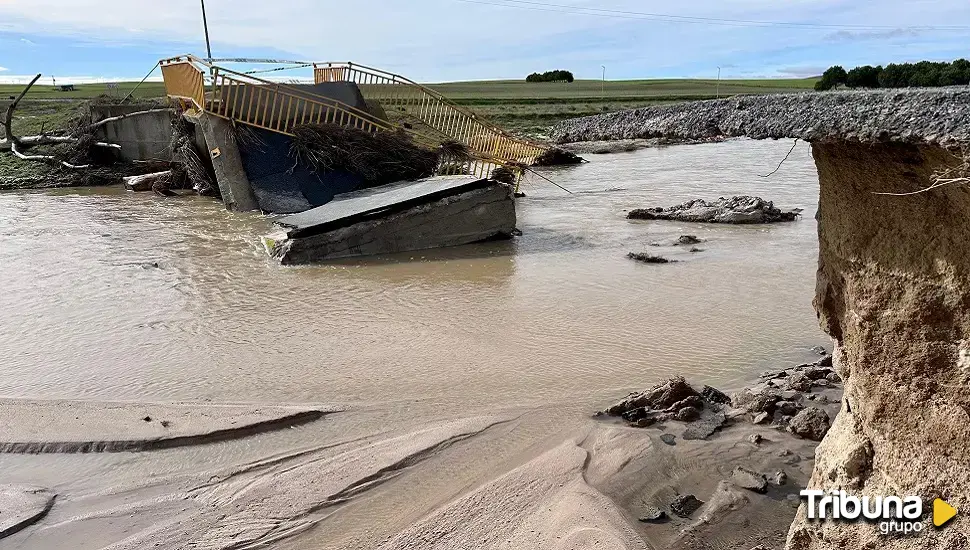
893	290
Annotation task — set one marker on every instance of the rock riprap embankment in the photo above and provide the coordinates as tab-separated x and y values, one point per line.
903	115
736	210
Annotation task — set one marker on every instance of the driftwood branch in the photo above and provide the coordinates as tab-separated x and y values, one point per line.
8	119
104	121
14	144
43	158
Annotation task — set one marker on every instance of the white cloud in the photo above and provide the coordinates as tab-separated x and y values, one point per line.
28	42
445	39
3	69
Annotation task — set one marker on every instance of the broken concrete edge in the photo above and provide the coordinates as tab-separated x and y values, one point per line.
927	115
481	214
333	215
297	418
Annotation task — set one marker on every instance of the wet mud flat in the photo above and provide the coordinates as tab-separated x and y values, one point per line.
713	476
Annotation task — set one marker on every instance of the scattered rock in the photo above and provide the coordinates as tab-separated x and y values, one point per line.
694	249
789	408
687	239
705	427
688	414
649	258
823	383
736	210
669	439
820	350
750	480
147	419
652	514
761	398
762	418
834	378
693	401
793	501
799	382
715	395
779	478
812	423
825	361
685	505
646	422
756	438
165	423
817	373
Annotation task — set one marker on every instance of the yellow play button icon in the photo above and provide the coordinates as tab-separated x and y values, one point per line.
942	512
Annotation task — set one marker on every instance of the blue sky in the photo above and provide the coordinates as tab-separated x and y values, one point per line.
441	40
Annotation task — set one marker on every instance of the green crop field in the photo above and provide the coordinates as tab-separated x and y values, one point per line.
522	107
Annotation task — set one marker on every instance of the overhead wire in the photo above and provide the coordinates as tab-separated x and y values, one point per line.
671	18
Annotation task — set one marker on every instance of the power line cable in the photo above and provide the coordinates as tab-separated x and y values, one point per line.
624	14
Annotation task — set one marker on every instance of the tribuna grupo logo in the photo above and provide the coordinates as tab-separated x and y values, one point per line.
894	514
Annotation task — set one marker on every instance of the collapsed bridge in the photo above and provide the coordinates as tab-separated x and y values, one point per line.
259	174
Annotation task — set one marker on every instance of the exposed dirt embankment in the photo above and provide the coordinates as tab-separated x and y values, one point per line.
893	290
930	115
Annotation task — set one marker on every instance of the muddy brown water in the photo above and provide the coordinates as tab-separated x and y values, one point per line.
109	295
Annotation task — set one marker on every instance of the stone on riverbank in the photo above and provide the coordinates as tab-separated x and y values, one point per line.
750	480
812	423
685	505
649	258
735	210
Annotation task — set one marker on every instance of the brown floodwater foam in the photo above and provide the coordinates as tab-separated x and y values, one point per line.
114	297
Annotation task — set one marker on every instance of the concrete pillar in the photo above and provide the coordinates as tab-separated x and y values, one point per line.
237	192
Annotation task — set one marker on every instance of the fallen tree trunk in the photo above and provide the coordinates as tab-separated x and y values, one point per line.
15	144
145	182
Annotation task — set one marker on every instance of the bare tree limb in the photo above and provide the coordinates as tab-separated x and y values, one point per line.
43	158
26	142
8	119
14	143
104	121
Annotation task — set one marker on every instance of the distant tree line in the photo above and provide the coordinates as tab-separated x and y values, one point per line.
924	74
551	76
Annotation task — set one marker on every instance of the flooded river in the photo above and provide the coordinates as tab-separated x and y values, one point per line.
109	295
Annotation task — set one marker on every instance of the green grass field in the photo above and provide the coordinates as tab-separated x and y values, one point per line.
522	107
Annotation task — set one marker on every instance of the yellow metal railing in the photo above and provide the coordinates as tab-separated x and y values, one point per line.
402	96
184	81
281	108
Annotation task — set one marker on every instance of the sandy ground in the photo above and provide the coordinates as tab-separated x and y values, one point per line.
586	486
87	426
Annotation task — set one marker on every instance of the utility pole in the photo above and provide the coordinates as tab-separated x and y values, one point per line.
718	87
205	26
603	84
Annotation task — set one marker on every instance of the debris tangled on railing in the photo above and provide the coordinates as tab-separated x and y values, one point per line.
378	158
